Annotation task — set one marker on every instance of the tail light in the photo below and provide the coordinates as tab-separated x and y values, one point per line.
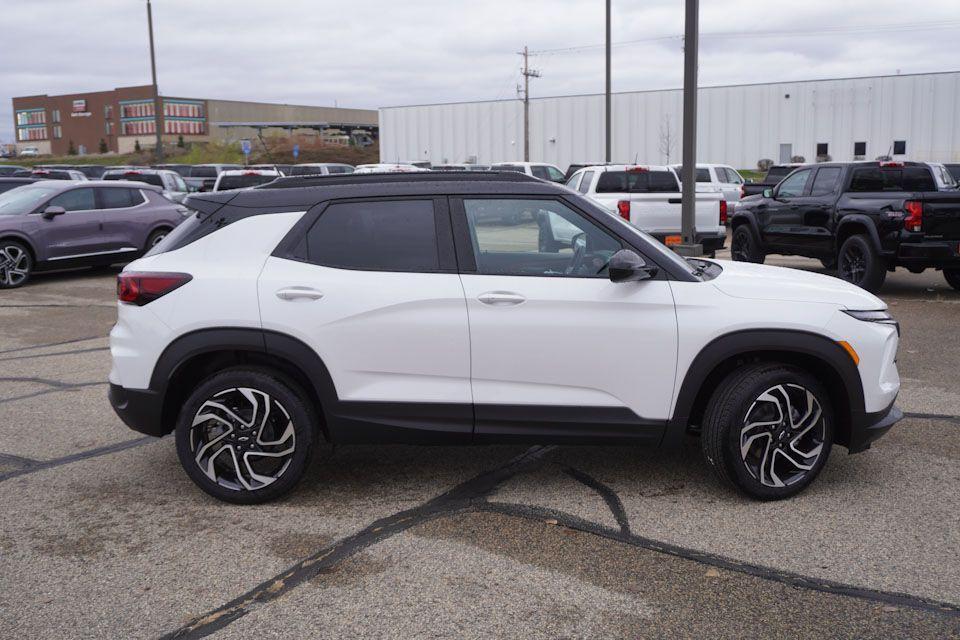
723	212
623	208
743	192
637	169
914	219
140	288
891	164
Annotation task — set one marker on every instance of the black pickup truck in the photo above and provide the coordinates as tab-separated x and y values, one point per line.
864	218
774	175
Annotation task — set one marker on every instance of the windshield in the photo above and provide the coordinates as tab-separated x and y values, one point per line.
241	182
23	200
149	178
305	170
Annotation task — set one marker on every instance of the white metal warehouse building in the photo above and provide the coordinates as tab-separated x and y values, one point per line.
856	118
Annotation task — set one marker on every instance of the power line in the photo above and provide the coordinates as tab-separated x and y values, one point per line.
717	35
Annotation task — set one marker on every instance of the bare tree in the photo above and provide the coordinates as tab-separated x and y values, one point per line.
667	139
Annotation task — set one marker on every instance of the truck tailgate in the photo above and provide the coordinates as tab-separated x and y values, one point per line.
941	215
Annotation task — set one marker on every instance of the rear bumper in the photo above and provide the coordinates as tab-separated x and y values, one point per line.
710	241
139	409
873	426
929	254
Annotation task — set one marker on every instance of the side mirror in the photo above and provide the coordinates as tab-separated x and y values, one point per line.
627	266
53	210
768	193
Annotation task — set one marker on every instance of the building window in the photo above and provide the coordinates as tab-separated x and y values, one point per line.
860	149
32	133
108	128
137	127
822	149
57	132
31	116
136	109
55	115
899	147
108	112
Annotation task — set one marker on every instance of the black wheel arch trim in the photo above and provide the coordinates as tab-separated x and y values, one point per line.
748	218
859	219
757	342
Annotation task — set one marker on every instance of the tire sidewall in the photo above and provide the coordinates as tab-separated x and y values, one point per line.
745	233
735	467
26	251
874	269
282	390
952	277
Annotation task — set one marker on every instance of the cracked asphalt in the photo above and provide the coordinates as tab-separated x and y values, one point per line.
103	536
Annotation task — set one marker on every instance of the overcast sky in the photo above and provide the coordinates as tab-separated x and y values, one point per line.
379	53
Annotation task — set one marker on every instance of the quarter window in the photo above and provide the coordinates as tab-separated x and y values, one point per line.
74	200
520	237
396	235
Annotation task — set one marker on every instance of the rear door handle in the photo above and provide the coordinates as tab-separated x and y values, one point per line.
500	298
299	293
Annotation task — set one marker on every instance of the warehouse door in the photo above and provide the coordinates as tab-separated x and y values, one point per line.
786	152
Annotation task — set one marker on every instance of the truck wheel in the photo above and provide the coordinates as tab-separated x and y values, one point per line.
953	277
859	264
768	430
744	246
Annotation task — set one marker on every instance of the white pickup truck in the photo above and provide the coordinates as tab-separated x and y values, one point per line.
648	197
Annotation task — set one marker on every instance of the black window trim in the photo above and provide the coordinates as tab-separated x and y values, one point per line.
464	244
287	248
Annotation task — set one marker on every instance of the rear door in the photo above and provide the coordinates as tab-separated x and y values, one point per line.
76	234
557	350
125	222
372	288
780	215
811	232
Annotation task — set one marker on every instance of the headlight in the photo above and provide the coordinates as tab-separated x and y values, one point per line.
881	317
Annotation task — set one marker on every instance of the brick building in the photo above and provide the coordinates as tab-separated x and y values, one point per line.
119	118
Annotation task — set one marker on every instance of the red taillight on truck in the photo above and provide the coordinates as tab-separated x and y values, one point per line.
914	219
723	212
623	208
140	288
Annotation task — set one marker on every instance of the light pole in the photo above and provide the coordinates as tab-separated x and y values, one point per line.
688	173
607	154
157	108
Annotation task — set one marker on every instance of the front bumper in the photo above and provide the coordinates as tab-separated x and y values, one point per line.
140	409
873	426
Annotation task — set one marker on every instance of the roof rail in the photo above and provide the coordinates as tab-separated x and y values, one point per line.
289	182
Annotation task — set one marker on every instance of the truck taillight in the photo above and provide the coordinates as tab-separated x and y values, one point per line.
723	212
140	288
623	208
914	219
743	192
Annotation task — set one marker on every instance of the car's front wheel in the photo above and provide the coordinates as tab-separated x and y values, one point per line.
16	264
246	435
744	246
768	430
953	277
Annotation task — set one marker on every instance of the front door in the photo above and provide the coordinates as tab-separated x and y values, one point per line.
76	234
557	350
375	293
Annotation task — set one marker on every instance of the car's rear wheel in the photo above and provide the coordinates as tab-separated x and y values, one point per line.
768	430
156	237
16	264
953	277
246	435
859	264
744	246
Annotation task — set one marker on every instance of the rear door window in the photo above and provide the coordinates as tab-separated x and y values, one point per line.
587	180
384	235
826	181
703	175
118	197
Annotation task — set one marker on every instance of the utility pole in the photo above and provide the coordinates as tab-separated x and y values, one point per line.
157	107
688	173
607	121
527	74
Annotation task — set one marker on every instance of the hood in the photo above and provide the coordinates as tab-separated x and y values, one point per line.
761	282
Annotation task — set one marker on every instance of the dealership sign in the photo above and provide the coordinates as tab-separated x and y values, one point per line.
80	109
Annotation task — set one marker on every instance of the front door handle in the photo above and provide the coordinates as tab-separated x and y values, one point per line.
299	293
500	298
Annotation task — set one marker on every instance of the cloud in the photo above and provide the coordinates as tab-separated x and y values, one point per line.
374	53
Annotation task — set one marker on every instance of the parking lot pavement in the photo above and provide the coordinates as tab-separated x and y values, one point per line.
104	536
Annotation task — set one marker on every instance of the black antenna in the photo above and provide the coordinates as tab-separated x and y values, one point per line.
267	151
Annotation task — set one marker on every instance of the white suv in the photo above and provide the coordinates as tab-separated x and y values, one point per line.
401	308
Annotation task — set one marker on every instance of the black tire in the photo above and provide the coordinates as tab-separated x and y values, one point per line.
233	389
742	397
859	264
155	237
745	247
16	264
953	277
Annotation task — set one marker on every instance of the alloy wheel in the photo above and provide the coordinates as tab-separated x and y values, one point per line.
242	439
853	264
157	239
782	435
740	247
14	265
